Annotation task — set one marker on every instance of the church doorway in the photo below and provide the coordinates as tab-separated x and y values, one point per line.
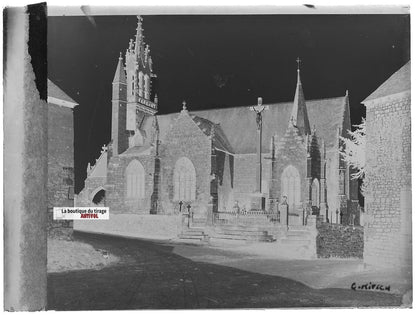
290	184
99	198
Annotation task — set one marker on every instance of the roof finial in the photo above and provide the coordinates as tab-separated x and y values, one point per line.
120	57
346	92
298	61
139	23
184	105
139	34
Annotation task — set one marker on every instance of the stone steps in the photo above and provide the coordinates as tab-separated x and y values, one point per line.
254	238
241	228
242	232
193	233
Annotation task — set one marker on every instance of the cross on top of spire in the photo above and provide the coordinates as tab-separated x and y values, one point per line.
139	28
139	22
298	61
184	105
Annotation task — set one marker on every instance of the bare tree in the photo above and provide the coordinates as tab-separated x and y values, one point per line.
353	151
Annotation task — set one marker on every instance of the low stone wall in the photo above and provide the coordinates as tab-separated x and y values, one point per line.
134	225
335	240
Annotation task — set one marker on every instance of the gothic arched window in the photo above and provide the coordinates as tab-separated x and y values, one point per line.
184	179
146	87
291	185
315	193
135	180
141	83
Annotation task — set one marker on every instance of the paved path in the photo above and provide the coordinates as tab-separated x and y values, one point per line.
150	275
317	273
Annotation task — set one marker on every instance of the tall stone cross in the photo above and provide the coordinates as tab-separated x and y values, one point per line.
258	109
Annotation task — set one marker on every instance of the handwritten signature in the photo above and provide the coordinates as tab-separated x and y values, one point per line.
370	286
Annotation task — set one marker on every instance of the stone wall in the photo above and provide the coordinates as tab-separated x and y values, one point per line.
225	181
388	174
25	163
185	139
245	178
332	182
60	166
335	240
92	186
290	150
116	187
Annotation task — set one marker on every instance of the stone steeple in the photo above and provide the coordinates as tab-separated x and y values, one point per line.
346	121
120	75
139	77
299	117
118	116
139	42
139	70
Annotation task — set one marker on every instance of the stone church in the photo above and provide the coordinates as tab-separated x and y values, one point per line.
211	161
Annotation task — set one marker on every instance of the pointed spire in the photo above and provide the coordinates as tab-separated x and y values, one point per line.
299	116
346	102
139	35
346	119
120	76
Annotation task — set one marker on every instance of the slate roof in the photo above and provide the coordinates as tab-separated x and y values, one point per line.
398	82
137	150
238	124
56	92
220	140
120	75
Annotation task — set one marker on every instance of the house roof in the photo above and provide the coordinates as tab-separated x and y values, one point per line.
398	82
55	94
238	124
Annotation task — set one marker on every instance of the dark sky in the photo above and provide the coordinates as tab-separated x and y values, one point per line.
222	61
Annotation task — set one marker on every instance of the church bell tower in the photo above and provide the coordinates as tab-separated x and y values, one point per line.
136	100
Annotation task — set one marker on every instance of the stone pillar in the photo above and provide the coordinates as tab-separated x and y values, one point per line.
154	209
309	191
210	212
258	201
25	172
284	219
323	206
